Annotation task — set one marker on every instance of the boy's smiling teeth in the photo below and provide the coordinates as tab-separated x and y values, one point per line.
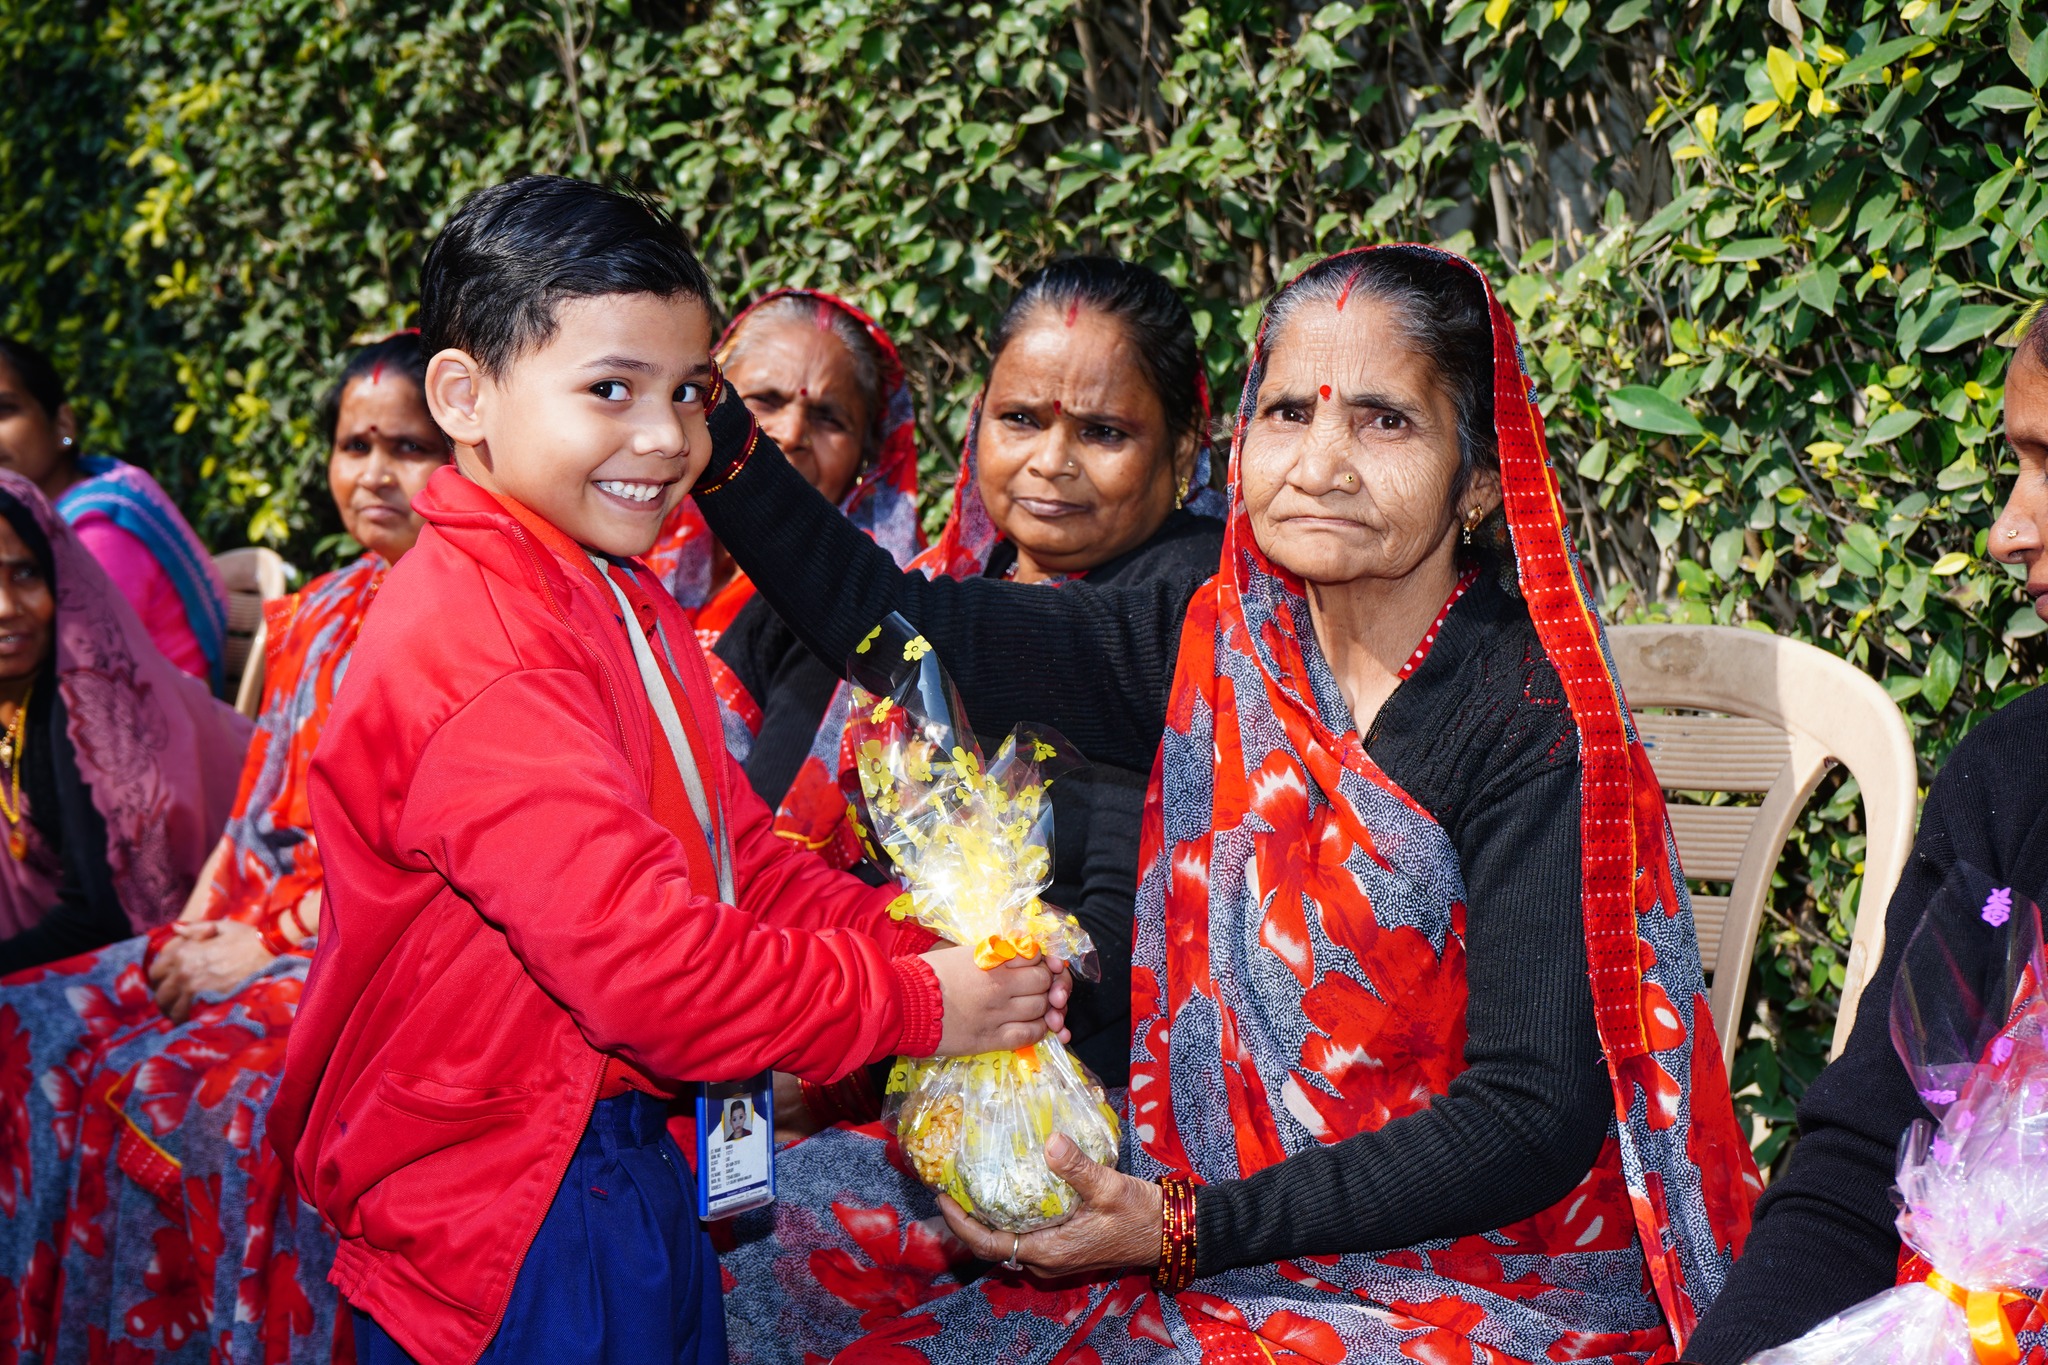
637	492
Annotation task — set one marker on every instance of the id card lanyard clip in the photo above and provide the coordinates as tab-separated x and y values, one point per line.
735	1119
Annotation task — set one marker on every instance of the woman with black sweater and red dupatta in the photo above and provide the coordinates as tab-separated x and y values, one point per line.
1421	1063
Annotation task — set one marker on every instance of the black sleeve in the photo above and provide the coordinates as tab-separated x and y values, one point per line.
1095	663
789	685
87	914
1832	1206
1099	1014
1520	1125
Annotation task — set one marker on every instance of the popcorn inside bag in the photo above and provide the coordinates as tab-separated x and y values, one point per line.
972	841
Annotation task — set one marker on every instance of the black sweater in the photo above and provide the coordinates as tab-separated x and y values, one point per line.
1480	735
1096	813
1825	1236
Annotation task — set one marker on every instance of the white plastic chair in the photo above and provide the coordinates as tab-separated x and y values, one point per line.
1745	711
253	575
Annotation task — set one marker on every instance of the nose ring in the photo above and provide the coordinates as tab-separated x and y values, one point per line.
1350	480
2012	533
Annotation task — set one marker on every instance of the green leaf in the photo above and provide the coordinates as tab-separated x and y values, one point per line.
1751	248
1891	426
1820	287
1972	322
1871	60
1938	681
1645	409
1627	15
1724	556
2005	98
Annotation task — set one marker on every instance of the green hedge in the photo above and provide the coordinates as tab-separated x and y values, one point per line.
1761	255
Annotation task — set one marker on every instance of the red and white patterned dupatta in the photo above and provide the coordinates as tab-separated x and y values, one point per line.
1298	976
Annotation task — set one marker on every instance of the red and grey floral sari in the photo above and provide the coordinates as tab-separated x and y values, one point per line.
1298	977
150	1224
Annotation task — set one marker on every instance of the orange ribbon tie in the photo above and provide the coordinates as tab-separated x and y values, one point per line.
1991	1334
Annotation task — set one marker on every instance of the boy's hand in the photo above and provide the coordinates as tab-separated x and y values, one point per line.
990	1011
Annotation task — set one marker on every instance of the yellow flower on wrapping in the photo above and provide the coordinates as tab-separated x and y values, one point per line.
916	648
881	711
1041	751
867	640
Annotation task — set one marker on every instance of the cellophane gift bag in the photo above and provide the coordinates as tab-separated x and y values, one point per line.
1969	1019
972	842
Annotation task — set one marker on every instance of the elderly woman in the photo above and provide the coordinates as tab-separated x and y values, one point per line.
153	1187
823	375
1833	1206
1085	461
1420	1062
119	513
825	381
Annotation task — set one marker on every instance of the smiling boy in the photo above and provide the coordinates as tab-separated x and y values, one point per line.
546	884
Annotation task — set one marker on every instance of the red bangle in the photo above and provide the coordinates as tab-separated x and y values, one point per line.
732	470
1176	1270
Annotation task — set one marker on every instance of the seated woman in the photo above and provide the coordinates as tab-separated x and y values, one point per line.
1833	1206
116	770
1085	461
825	380
144	1174
1421	1064
120	515
825	377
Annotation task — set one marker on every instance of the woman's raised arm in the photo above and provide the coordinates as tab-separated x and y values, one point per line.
1093	663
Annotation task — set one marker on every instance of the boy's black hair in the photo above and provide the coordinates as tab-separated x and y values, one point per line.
512	253
36	373
400	352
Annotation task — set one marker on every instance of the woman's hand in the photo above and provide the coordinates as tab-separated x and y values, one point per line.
1116	1227
210	957
793	1117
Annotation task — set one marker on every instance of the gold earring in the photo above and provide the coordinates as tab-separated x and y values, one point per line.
1180	496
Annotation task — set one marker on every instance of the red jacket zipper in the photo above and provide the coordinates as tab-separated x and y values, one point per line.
589	1105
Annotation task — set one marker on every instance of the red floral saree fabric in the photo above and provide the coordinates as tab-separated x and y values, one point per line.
1298	976
149	1222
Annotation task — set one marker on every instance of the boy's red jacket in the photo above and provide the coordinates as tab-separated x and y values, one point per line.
503	909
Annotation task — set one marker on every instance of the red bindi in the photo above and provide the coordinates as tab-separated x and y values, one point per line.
1073	311
1055	407
1326	393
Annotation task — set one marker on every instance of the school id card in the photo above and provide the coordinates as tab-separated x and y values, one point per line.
735	1146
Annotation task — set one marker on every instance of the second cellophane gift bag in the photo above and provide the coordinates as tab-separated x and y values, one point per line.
971	838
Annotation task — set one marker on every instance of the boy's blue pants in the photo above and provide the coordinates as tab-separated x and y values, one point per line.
621	1270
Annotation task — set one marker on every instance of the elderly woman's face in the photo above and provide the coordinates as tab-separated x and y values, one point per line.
1076	465
801	385
2020	535
31	440
1350	456
28	608
386	447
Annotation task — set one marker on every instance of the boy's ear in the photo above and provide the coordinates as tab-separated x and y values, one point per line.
454	395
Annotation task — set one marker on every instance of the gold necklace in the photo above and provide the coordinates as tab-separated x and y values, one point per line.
12	746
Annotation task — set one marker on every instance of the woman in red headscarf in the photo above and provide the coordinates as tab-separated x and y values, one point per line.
826	381
1421	1064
